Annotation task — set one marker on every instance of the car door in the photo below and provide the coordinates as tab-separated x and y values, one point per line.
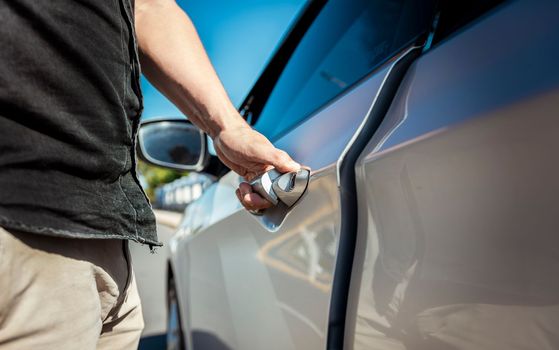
268	282
458	198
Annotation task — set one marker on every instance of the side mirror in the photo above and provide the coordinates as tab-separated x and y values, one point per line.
173	143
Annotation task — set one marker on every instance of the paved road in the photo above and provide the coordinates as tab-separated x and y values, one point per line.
150	270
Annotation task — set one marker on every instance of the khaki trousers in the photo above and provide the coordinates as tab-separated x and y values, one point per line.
62	293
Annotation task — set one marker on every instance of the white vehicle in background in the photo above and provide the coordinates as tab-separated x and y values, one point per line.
430	219
178	194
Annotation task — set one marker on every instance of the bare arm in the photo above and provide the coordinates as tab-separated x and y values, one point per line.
175	62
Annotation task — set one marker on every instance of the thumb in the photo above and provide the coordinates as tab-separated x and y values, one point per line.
283	162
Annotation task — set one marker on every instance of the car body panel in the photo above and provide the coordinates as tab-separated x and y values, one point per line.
248	287
458	195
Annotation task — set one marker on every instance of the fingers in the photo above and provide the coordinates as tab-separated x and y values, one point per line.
247	170
250	199
283	162
249	153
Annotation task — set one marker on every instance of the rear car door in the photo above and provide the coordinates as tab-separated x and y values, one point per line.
458	193
266	282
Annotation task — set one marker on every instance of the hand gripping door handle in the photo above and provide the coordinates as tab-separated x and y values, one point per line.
286	188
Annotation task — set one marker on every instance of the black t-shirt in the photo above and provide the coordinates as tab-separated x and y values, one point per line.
70	105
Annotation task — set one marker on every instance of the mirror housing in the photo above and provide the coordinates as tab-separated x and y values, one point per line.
173	143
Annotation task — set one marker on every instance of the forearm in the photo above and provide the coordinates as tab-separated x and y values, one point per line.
175	62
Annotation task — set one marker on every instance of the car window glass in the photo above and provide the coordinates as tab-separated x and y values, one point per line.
346	41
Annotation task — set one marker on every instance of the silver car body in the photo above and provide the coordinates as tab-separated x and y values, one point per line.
458	211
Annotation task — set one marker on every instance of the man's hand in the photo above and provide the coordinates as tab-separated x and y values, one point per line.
249	154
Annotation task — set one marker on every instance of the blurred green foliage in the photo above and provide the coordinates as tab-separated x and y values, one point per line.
156	176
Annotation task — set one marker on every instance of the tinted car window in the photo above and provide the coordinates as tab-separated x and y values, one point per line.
456	14
346	41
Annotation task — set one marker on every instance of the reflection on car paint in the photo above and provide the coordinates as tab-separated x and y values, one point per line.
305	251
477	272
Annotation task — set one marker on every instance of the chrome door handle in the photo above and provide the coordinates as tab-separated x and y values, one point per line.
290	187
286	188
